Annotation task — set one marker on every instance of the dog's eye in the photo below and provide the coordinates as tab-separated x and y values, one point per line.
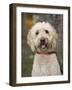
47	31
37	33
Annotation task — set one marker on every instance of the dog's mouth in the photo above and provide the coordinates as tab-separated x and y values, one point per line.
43	45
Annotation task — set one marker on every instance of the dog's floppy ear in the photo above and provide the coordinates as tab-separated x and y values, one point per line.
30	41
54	41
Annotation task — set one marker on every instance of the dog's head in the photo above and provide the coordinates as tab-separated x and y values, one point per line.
42	37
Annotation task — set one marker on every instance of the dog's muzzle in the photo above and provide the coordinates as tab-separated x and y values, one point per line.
43	43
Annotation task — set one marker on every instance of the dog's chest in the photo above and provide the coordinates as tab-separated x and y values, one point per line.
45	64
45	59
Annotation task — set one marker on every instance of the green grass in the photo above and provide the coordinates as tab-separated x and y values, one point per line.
27	67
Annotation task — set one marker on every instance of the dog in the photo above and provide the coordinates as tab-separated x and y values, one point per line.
42	39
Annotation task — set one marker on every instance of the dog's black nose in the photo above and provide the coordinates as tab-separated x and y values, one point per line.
42	40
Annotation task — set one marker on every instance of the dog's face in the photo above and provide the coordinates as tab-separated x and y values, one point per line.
42	37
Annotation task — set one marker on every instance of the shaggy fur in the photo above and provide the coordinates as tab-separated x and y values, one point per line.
42	40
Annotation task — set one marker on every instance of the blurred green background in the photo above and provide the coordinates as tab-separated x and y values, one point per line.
29	19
